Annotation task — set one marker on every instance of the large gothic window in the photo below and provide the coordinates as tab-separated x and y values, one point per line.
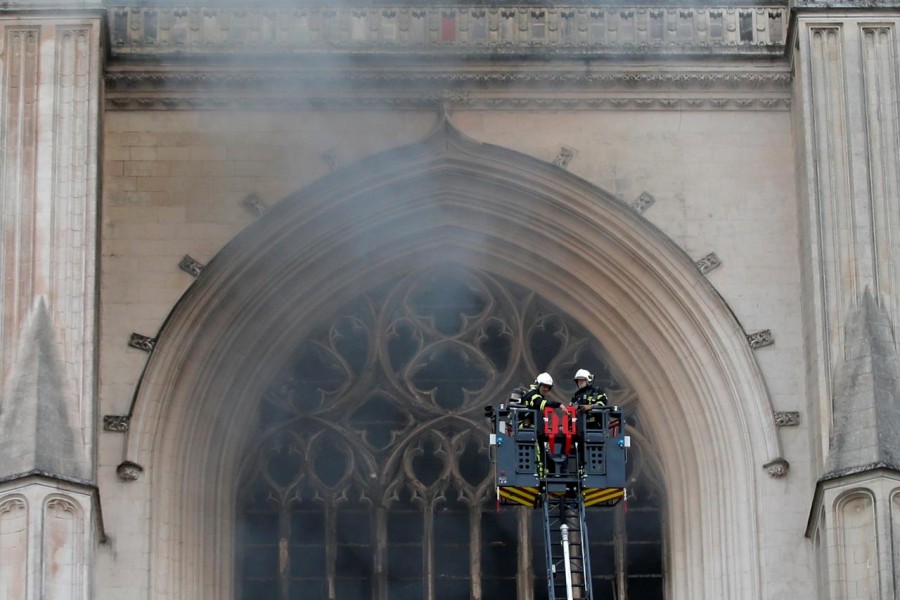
369	477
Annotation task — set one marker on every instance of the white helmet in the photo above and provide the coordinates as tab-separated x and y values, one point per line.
584	374
544	379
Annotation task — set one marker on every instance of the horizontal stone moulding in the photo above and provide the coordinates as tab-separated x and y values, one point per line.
462	99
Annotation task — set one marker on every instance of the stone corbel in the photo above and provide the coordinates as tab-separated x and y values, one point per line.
777	468
129	471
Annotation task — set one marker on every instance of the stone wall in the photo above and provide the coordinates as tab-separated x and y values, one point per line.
178	183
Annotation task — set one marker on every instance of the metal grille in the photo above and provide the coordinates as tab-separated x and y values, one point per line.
525	460
595	464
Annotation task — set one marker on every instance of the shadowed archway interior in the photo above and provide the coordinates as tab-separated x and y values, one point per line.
370	475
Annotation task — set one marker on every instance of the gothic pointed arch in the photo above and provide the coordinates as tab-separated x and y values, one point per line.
452	199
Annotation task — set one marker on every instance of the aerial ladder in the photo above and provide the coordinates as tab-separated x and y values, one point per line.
561	462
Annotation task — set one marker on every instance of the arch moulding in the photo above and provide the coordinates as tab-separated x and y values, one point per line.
449	198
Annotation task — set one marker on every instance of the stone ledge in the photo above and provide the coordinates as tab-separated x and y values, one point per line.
567	85
460	100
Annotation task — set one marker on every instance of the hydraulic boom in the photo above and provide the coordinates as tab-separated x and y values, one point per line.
569	461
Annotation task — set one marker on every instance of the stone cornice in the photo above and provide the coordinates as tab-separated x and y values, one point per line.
707	79
450	99
526	30
569	87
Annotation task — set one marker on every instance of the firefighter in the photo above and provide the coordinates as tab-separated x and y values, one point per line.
536	399
536	396
587	395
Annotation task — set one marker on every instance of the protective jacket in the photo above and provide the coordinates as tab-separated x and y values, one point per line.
534	400
589	395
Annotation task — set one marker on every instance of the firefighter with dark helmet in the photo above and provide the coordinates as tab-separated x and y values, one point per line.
587	395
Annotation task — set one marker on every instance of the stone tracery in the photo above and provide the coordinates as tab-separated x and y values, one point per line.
377	418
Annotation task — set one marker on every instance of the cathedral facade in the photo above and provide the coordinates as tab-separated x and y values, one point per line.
264	264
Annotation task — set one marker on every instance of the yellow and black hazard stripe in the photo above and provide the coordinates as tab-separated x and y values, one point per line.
608	496
528	496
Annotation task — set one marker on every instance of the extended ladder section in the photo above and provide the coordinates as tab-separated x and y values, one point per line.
566	546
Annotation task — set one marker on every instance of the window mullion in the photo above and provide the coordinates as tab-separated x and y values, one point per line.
380	591
620	541
525	579
331	549
428	548
284	550
475	550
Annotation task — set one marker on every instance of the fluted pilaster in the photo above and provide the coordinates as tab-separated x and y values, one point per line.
847	73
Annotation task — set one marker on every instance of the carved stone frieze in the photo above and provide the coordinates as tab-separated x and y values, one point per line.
116	423
463	29
708	263
644	201
130	80
318	83
567	34
142	342
423	100
129	471
786	418
759	339
191	265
